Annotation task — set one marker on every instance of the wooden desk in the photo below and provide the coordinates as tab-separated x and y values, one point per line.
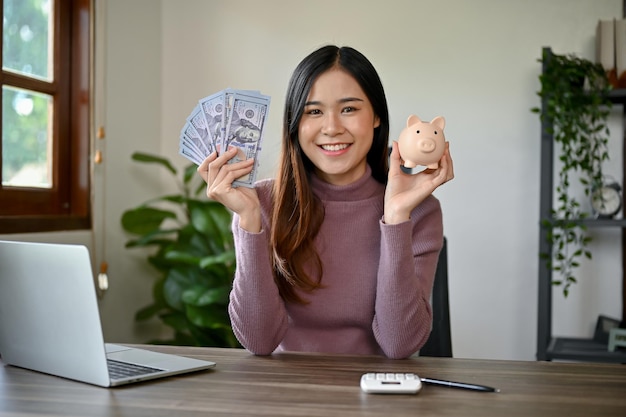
326	385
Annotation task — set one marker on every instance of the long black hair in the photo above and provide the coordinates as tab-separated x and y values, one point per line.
297	214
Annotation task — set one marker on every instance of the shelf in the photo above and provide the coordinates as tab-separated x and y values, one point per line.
550	347
591	222
605	222
568	348
618	96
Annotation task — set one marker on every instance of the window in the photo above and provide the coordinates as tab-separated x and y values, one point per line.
45	127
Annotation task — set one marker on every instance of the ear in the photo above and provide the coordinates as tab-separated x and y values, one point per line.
439	121
412	120
376	121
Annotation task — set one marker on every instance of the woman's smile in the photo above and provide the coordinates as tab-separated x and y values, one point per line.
335	148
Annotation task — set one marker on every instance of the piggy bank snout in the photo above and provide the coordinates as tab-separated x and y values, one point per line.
427	145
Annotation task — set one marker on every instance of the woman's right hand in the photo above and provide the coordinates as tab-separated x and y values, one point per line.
220	175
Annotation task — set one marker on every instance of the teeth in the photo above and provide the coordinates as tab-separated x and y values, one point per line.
334	148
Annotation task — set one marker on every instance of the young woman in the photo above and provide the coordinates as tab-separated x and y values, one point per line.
338	253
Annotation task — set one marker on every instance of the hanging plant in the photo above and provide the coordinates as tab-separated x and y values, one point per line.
575	109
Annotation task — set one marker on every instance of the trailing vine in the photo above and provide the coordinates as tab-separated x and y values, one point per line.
576	107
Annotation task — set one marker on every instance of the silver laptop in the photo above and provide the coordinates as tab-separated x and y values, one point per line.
49	320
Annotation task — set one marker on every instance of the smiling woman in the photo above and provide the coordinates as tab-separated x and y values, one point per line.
338	253
45	138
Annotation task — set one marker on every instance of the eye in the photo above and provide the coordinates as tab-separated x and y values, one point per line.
435	132
348	109
417	131
313	111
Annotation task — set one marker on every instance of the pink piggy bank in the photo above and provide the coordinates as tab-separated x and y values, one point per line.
422	143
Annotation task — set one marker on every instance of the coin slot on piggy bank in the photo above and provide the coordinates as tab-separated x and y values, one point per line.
422	143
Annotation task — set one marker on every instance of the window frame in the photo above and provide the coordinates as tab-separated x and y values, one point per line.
67	205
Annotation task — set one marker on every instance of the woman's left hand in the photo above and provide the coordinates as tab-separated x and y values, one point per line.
406	191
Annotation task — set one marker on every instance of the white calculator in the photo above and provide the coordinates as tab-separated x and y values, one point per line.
390	383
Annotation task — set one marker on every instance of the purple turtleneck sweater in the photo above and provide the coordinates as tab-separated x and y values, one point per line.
377	280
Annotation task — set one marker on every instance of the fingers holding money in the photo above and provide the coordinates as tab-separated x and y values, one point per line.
220	170
203	167
220	175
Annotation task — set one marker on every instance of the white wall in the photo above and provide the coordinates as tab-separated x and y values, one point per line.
475	62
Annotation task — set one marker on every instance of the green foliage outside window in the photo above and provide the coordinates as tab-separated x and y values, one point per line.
26	115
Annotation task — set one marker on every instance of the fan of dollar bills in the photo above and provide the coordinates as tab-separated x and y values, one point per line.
227	118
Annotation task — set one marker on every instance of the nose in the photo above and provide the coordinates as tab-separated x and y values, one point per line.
427	145
332	124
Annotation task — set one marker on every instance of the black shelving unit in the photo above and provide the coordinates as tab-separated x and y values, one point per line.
550	347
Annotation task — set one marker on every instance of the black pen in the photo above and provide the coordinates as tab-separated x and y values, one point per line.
461	385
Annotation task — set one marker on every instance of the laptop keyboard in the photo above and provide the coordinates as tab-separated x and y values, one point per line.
119	370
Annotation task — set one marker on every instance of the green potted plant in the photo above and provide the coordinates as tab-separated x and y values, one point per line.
193	251
575	109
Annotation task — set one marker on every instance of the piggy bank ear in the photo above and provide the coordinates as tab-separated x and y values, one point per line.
412	120
439	122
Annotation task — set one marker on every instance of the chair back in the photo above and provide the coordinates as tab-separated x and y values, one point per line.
439	342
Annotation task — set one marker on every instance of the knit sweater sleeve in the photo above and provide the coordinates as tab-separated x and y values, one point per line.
256	310
408	260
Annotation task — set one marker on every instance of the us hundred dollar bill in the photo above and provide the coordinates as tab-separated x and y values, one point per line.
198	122
213	109
245	129
192	139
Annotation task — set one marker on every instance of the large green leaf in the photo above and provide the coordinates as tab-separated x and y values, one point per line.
203	216
154	159
143	220
177	320
148	312
211	318
200	188
178	257
175	284
223	218
148	240
200	296
158	237
191	172
176	199
224	258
